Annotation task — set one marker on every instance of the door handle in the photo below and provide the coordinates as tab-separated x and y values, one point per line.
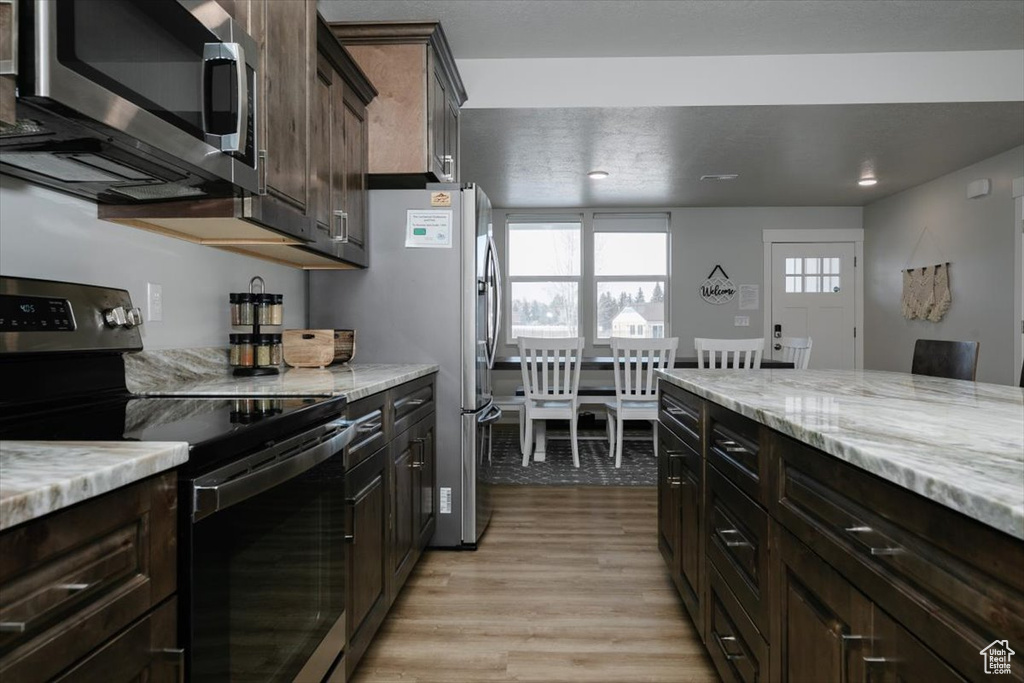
235	54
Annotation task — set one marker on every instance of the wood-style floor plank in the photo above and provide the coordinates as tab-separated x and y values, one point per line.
567	585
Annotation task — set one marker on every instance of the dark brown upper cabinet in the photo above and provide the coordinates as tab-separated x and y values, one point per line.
8	61
311	154
414	122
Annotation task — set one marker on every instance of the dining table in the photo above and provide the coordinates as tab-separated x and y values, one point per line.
601	363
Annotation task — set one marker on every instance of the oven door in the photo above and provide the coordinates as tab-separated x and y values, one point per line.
178	75
265	591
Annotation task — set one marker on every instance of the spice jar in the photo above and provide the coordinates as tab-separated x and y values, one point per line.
261	346
276	309
241	355
263	306
241	308
276	352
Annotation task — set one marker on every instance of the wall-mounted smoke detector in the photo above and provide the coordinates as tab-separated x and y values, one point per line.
720	176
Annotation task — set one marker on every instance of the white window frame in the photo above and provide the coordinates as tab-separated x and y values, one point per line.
597	280
520	218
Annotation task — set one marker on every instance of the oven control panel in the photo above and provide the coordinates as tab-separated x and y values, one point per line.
35	314
46	316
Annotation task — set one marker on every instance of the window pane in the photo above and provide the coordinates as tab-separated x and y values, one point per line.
630	309
812	283
545	309
543	249
793	266
794	284
812	265
631	253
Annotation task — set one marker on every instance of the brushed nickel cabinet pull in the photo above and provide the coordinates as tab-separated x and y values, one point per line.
12	626
675	482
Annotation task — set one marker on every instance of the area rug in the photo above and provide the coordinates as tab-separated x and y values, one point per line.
639	466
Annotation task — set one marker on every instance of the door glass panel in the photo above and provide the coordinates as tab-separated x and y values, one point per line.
150	53
820	275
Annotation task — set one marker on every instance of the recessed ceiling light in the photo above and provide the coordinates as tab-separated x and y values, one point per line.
720	176
867	182
597	175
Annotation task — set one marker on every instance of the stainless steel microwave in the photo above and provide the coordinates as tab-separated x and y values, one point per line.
125	101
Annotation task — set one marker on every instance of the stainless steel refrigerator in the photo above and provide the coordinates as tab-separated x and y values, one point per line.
431	294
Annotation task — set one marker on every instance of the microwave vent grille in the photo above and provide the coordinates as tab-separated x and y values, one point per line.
145	193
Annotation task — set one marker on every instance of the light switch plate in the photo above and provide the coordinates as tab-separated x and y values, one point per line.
742	321
154	302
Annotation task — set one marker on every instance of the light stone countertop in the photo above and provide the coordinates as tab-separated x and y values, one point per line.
204	372
40	477
960	444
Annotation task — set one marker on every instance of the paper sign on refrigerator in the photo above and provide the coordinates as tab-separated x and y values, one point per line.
428	229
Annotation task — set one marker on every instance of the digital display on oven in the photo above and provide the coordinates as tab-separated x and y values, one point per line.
35	314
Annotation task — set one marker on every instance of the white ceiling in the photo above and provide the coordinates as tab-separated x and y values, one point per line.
649	28
785	155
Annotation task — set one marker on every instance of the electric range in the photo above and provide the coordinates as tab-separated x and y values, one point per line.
262	513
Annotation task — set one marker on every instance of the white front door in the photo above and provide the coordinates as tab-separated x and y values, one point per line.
813	289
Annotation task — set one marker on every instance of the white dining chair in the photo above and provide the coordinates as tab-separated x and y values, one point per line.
634	362
551	382
796	350
735	354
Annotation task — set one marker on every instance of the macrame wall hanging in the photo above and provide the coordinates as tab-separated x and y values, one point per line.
926	293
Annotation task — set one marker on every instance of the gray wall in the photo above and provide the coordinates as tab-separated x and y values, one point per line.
49	235
976	236
701	238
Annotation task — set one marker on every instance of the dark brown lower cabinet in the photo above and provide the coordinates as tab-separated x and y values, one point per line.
822	629
402	549
797	567
366	489
424	481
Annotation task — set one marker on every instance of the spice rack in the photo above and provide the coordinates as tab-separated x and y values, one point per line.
256	353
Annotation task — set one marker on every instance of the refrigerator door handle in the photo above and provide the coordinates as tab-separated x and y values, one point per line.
498	302
492	414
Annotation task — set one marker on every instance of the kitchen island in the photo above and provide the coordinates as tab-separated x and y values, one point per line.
874	519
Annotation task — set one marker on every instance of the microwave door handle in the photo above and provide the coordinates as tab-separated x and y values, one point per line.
235	53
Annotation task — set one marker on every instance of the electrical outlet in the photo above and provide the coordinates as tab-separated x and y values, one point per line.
742	321
155	302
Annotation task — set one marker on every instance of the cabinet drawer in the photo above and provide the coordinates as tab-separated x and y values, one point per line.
737	544
679	412
736	648
368	414
71	580
734	447
145	652
412	402
906	553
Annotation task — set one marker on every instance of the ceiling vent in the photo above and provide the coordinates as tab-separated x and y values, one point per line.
720	176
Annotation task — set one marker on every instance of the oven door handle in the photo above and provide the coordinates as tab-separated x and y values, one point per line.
209	499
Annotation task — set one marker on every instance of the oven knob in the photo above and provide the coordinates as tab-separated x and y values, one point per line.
115	317
133	318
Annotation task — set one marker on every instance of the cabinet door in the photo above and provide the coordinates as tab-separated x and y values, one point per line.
288	46
899	657
354	177
690	548
437	105
451	135
669	481
402	518
424	481
367	601
321	133
823	624
8	31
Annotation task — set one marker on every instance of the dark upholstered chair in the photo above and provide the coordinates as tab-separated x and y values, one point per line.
951	359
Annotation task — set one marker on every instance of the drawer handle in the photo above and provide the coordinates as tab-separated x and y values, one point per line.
176	656
878	552
74	587
12	626
676	454
731	656
369	427
675	482
844	642
730	447
417	401
680	412
723	535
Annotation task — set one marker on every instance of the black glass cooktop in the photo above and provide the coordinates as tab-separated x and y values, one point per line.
216	428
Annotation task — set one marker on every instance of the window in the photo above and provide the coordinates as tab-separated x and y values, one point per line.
814	275
544	266
631	275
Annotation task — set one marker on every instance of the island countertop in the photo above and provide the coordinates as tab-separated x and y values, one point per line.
40	477
960	444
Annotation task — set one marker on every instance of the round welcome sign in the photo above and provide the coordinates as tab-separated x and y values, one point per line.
717	290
